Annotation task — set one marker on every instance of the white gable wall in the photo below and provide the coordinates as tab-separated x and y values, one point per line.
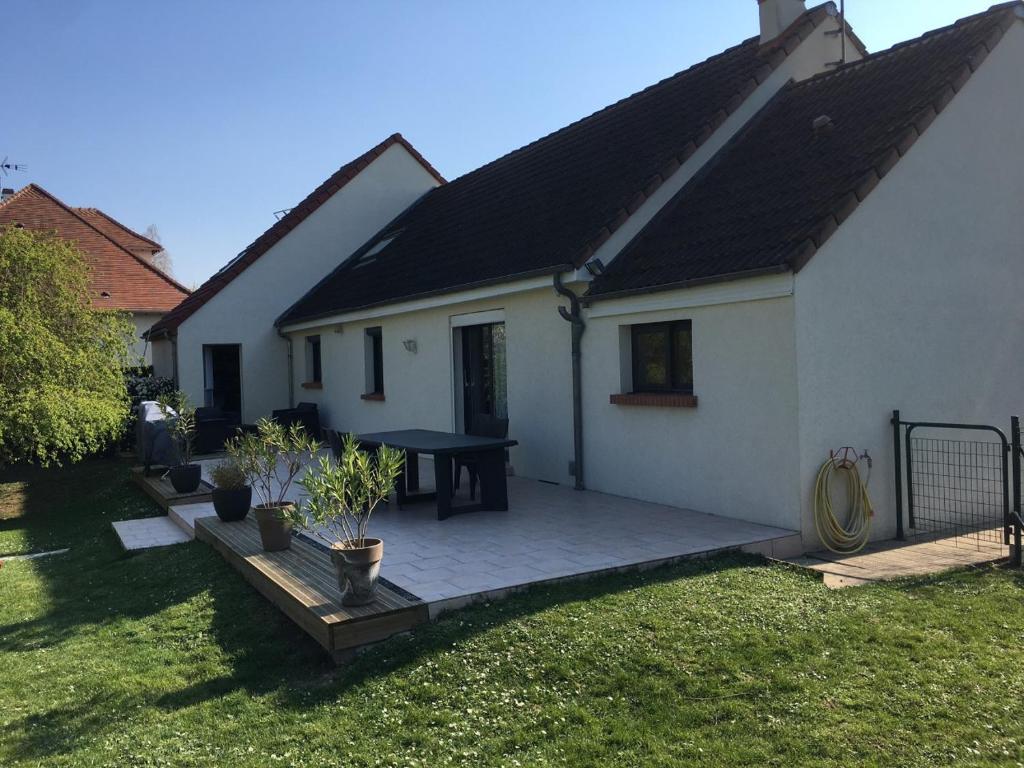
245	310
916	302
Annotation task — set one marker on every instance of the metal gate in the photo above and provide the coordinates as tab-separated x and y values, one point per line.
962	482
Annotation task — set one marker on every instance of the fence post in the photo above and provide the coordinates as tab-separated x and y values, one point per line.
898	464
1015	450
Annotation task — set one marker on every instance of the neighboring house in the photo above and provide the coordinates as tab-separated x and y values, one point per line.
121	275
768	253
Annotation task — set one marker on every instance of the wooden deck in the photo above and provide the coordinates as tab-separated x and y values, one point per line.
303	584
163	493
884	560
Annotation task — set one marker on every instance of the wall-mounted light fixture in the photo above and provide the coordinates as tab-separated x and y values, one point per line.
410	345
595	267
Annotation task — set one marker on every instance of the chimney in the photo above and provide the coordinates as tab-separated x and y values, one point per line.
777	15
6	194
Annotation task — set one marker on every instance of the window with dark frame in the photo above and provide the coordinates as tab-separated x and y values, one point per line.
663	357
377	353
313	369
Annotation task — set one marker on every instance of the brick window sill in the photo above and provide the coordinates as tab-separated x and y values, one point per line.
312	385
376	397
655	399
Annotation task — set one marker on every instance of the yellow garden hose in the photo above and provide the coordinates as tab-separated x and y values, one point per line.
851	535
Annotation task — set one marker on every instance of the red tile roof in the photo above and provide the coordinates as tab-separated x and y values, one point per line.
286	224
120	279
118	232
772	197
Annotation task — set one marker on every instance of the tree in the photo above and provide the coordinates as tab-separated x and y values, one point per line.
162	260
62	387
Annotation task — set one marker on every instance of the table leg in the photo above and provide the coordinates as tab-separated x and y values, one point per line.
412	471
493	483
443	483
401	496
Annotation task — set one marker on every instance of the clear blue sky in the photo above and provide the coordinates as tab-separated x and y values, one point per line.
204	117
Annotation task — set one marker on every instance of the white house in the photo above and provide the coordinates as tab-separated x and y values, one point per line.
689	297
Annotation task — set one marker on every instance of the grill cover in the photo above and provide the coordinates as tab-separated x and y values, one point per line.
152	440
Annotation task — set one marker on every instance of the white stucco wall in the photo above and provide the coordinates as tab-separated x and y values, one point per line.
734	454
420	388
143	321
162	353
245	310
916	302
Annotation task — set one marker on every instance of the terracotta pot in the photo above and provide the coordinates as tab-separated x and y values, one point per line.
186	477
275	529
232	504
358	570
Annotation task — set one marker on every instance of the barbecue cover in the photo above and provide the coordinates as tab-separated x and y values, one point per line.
153	442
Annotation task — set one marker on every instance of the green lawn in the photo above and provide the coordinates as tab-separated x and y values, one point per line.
168	658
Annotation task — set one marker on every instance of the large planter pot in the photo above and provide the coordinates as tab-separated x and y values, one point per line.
358	570
275	529
232	504
186	477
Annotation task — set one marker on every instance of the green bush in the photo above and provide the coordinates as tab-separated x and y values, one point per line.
228	476
62	389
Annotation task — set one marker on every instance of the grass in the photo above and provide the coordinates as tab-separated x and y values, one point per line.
168	658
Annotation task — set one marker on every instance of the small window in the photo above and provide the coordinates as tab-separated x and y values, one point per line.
663	357
374	361
313	369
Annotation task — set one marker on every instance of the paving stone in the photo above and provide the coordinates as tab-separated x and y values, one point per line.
148	532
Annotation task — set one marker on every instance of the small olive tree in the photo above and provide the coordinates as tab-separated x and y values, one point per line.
181	420
341	495
62	387
271	458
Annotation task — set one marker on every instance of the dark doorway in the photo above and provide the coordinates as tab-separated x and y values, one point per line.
222	374
484	384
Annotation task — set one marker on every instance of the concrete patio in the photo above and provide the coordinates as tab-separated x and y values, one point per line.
549	532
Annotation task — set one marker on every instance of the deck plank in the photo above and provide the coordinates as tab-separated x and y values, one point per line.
162	492
302	583
884	560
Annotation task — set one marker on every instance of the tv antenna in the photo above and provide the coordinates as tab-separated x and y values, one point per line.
6	167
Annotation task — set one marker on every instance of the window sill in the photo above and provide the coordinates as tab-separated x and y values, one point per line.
312	385
377	397
655	399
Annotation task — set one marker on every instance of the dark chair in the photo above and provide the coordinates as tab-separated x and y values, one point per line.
211	430
484	425
334	441
305	414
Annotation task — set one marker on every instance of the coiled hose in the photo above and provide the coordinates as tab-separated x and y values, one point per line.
849	536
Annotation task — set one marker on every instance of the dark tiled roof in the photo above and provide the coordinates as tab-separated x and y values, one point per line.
775	194
119	279
127	238
282	227
555	201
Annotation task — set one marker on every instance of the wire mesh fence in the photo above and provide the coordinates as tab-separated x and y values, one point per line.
958	488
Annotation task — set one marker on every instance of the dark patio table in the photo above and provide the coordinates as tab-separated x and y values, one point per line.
444	447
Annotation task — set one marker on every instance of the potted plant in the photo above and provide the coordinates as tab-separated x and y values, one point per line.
181	424
270	459
231	496
340	498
